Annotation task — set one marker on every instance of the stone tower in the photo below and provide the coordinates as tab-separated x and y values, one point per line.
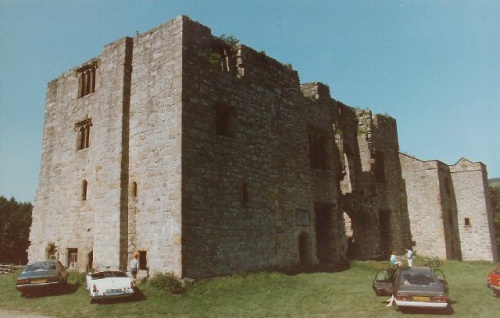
449	208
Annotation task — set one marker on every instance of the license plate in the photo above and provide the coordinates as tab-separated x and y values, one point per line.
38	281
114	291
420	298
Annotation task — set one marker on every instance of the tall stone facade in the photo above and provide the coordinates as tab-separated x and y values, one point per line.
210	158
450	210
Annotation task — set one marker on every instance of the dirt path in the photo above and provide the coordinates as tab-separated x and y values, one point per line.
19	314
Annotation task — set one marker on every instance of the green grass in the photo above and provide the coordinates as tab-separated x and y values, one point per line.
267	294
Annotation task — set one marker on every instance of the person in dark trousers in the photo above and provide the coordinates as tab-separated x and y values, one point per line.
134	267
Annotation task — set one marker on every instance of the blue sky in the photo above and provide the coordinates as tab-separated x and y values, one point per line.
433	65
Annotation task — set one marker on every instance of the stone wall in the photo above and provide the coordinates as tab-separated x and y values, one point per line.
78	205
210	158
155	205
250	194
449	208
475	216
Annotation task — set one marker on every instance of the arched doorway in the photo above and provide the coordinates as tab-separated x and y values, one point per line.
305	250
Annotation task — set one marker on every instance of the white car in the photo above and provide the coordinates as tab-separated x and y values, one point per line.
109	282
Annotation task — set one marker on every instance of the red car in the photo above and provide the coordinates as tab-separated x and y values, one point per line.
494	280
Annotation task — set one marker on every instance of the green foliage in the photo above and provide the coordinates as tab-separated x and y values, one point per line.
230	40
167	282
76	278
215	59
15	222
495	203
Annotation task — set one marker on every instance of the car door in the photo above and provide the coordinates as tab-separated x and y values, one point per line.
440	275
383	282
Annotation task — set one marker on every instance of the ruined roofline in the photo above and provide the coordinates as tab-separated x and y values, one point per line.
455	166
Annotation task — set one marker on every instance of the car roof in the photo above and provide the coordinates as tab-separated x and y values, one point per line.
416	269
45	261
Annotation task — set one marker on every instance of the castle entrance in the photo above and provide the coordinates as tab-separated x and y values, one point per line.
324	231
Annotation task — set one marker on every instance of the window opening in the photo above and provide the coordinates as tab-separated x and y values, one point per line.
72	258
467	222
379	167
223	54
143	264
83	133
318	147
84	190
134	189
225	118
86	79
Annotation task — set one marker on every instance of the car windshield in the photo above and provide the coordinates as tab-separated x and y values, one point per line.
418	279
41	266
105	274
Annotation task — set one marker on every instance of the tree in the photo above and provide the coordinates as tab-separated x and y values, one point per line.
15	222
495	203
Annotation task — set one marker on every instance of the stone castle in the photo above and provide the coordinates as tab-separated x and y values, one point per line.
210	158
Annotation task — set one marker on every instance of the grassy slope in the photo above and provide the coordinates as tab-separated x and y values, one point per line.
343	294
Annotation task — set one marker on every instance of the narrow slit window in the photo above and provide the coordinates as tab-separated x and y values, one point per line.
134	189
84	190
467	222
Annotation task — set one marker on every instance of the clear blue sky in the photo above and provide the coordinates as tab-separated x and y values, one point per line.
433	65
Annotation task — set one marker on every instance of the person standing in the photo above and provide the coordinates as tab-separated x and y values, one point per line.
409	257
394	259
134	267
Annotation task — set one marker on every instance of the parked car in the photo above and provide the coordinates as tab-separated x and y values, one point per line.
41	276
418	287
494	280
109	282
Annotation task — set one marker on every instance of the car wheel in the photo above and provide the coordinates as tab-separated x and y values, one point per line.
497	293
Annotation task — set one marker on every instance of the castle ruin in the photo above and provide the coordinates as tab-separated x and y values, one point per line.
210	158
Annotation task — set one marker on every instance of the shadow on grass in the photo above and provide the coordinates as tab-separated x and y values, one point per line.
448	311
67	289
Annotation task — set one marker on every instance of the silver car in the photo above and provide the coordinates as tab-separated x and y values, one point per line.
417	287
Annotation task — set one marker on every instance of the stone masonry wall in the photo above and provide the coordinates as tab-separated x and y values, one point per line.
250	194
450	214
210	158
475	217
156	148
61	215
424	205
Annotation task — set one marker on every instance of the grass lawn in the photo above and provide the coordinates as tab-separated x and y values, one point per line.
342	294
